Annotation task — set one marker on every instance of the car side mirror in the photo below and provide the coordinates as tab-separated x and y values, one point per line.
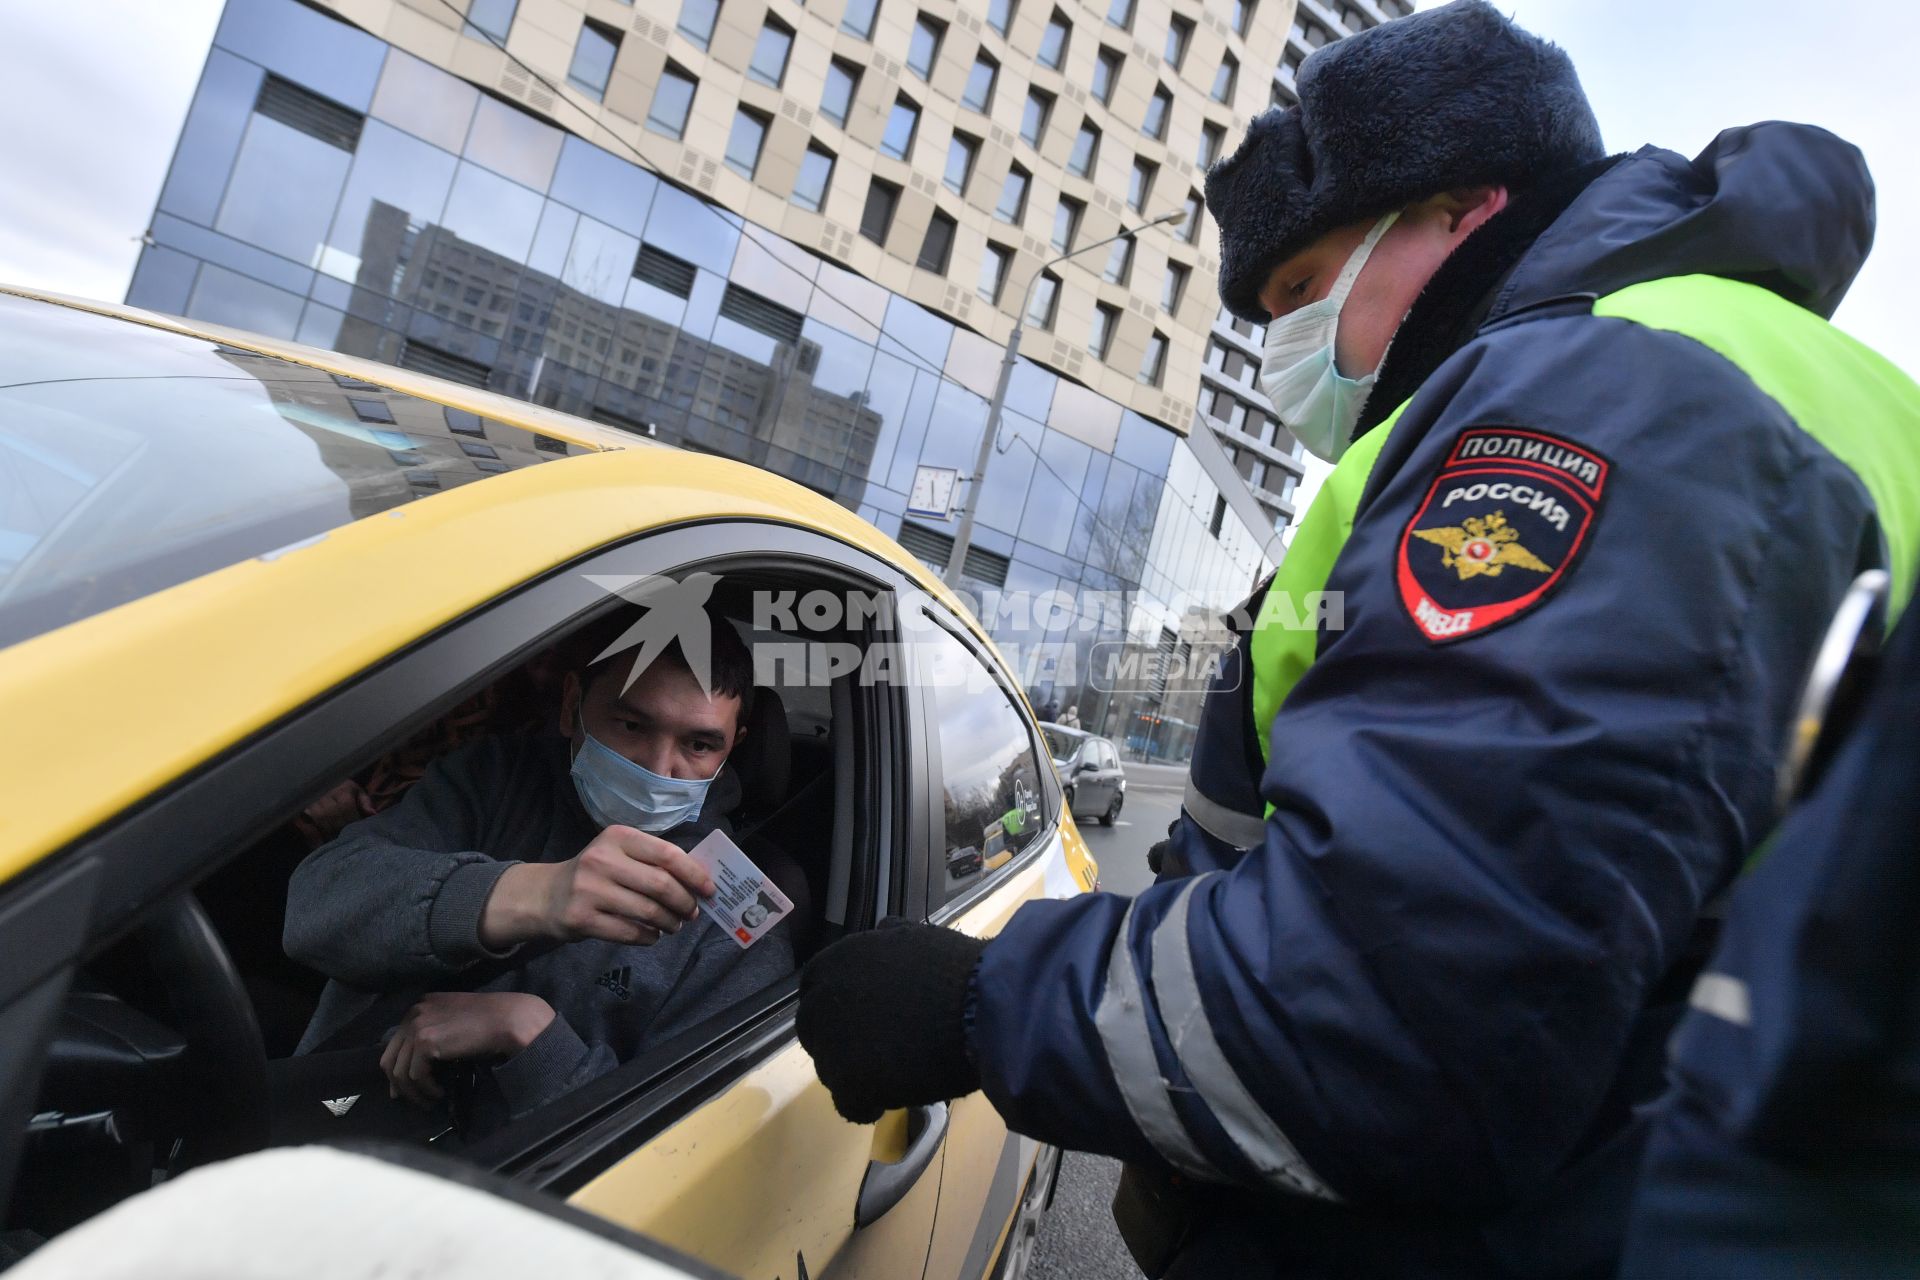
1086	766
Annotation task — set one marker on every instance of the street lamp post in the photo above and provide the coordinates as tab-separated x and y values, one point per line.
964	538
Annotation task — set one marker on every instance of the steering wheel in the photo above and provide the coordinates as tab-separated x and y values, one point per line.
192	985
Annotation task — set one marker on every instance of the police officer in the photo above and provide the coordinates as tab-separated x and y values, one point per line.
1790	1145
1603	471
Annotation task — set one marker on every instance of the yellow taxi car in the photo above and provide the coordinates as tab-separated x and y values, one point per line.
237	575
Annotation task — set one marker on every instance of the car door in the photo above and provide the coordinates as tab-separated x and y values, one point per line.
722	1141
986	761
1111	774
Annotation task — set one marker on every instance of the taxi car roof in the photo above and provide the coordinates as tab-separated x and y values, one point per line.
148	690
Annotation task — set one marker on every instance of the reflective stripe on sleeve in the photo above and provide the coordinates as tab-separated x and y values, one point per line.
1241	830
1212	1076
1715	993
1121	1021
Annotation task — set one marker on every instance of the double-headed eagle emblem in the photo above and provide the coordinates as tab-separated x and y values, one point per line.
1482	545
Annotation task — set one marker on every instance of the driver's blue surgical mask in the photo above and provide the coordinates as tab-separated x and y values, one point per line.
618	792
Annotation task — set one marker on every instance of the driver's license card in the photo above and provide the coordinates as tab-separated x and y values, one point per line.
745	901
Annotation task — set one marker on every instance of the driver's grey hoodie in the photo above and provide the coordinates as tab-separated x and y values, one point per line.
393	905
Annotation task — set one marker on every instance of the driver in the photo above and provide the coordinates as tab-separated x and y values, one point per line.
530	900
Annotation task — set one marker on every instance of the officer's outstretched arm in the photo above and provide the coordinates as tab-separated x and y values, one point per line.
1579	599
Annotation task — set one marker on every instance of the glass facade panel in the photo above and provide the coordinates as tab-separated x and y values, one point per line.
398	184
227	297
600	183
215	124
425	101
306	46
283	190
488	211
513	144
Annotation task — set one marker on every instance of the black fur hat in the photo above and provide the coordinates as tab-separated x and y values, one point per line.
1451	97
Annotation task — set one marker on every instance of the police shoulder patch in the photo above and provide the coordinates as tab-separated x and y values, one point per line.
1503	521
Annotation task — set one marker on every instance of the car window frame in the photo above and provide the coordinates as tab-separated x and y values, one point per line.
186	830
939	909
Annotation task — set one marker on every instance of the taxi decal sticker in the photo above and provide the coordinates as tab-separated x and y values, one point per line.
1500	526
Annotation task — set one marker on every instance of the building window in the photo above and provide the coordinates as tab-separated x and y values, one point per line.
593	59
858	18
980	81
961	153
1066	223
1173	288
1106	73
1179	37
925	47
1105	320
1223	78
836	100
1120	13
1046	301
1053	43
1190	227
877	218
769	65
1219	515
743	145
1159	108
1119	261
993	271
901	126
1282	96
1086	150
1140	185
1153	365
816	173
1033	123
1000	15
937	248
490	19
672	102
696	20
1242	16
1013	196
1212	138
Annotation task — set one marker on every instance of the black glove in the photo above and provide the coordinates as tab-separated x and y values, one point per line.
882	1013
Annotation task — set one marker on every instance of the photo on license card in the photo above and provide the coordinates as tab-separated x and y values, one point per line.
746	901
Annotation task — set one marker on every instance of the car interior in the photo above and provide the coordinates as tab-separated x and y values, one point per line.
151	1074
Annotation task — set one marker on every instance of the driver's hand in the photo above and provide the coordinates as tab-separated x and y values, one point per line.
452	1026
626	886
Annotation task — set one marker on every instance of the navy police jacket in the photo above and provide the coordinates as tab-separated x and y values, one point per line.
1401	1017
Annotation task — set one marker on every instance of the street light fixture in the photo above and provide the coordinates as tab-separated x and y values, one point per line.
964	538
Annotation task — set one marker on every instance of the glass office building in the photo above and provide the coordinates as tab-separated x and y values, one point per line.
331	188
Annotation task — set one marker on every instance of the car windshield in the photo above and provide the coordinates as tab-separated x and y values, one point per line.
1060	744
133	459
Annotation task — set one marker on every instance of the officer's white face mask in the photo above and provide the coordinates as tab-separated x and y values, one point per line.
1314	400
